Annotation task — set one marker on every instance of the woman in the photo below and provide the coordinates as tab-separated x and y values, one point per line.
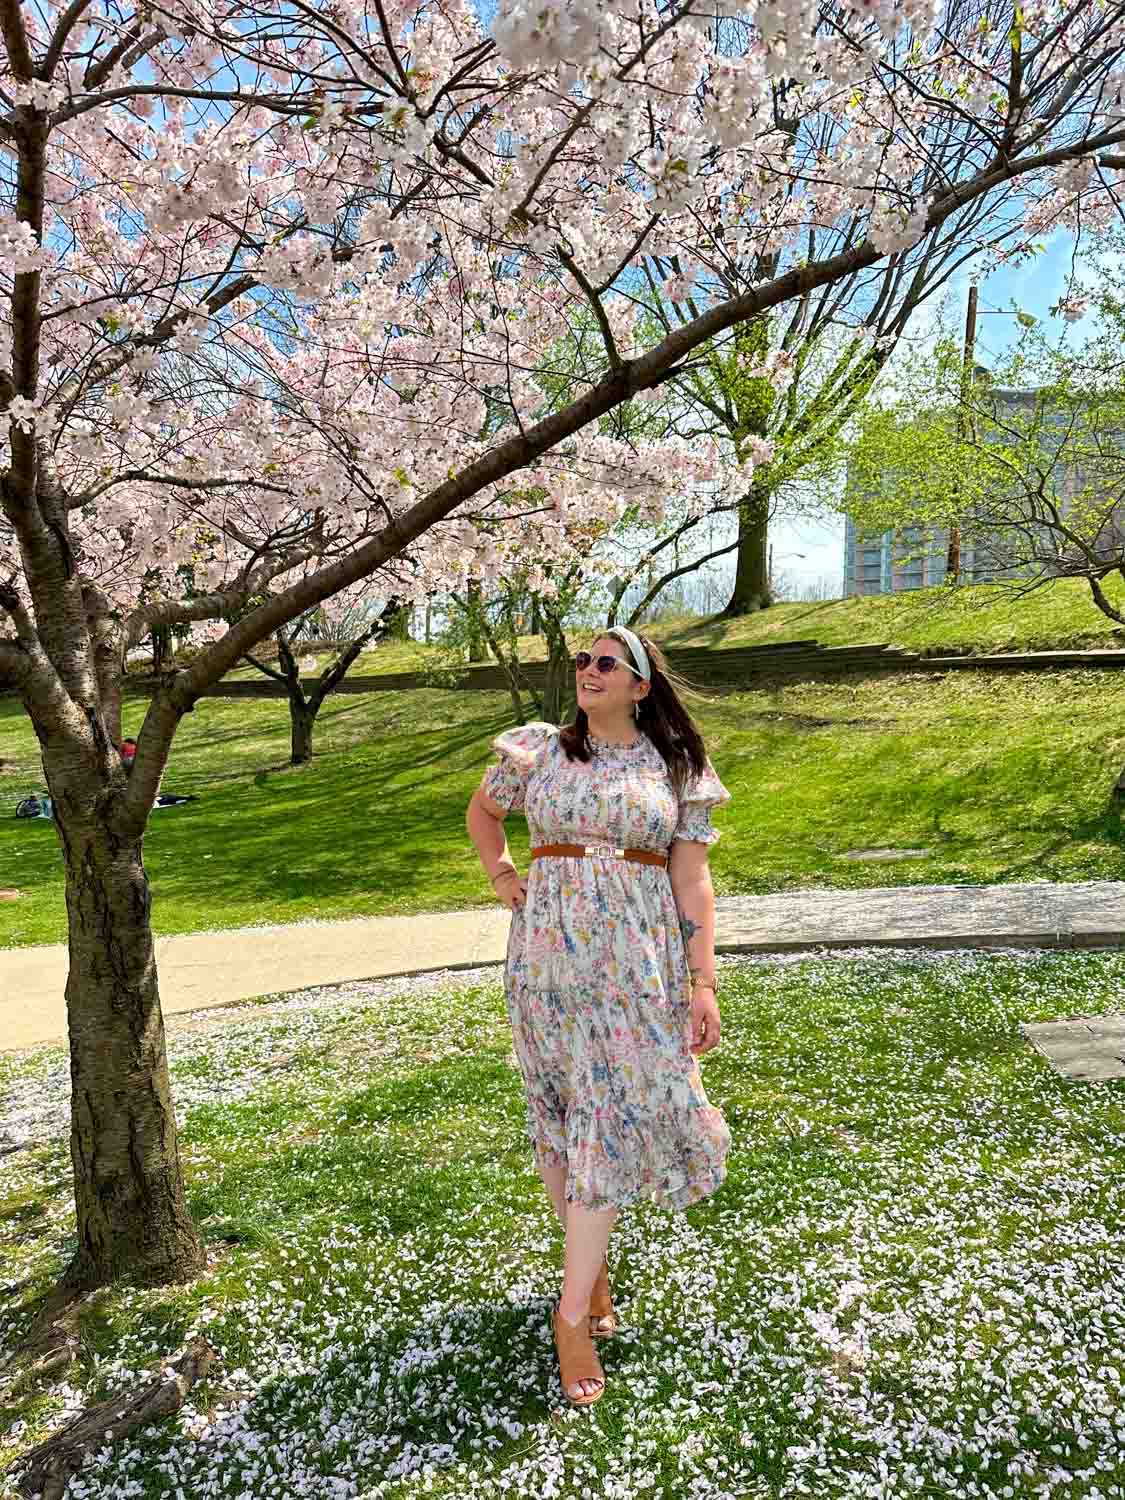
610	976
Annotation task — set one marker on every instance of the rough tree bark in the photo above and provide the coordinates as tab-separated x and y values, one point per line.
751	576
132	1216
302	717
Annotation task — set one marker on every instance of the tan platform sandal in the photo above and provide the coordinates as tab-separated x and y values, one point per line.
601	1306
578	1359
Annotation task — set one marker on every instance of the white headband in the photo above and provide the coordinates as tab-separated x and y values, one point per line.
627	638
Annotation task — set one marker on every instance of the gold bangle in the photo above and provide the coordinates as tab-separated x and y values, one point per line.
705	984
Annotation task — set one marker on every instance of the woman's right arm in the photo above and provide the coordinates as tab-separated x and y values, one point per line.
485	822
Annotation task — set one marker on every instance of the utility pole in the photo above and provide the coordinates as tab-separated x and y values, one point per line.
953	558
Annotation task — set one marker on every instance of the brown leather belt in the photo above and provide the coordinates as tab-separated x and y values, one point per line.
576	851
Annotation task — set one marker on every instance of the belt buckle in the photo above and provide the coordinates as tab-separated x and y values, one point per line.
606	849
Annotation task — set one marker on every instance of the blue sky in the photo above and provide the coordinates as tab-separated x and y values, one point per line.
1033	287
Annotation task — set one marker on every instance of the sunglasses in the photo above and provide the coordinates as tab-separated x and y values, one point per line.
604	664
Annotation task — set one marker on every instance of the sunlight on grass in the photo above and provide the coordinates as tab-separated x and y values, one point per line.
914	1268
1000	777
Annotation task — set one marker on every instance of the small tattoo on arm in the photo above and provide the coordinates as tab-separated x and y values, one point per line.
688	928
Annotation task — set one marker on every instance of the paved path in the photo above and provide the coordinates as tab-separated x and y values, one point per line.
216	968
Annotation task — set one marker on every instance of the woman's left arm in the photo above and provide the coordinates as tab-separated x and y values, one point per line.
694	895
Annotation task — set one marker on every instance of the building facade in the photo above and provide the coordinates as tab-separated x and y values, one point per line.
915	557
912	558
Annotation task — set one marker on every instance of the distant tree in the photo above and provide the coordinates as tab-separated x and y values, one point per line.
1027	459
305	701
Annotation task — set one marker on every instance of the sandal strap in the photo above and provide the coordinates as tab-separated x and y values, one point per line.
578	1359
601	1299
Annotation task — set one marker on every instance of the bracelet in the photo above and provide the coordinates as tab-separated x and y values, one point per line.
507	870
704	984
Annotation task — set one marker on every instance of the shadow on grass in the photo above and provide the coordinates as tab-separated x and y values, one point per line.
402	1150
1107	827
357	821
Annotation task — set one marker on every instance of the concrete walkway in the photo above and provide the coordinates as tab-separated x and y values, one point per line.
217	968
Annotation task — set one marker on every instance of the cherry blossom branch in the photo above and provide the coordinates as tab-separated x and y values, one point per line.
174	481
66	24
15	39
134	38
616	387
596	305
275	102
210	606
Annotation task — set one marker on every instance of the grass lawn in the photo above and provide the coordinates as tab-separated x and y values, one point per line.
984	618
1002	777
978	619
911	1283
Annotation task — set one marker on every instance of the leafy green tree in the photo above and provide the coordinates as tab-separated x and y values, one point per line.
1026	459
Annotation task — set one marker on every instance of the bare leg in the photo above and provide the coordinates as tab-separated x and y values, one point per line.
554	1180
587	1238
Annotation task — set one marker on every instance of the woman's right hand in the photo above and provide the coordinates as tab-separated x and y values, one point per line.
510	889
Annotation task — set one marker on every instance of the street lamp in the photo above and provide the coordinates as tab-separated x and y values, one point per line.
783	554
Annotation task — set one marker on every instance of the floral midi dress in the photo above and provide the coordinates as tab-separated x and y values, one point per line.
597	980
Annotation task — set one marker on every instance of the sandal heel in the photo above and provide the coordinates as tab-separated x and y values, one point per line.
601	1306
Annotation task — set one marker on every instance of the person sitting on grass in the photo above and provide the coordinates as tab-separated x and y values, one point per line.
610	974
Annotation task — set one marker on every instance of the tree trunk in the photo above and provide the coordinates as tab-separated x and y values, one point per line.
751	578
397	626
953	555
510	666
161	648
559	687
133	1221
301	720
478	646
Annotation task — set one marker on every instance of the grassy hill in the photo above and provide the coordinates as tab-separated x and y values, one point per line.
934	622
1001	777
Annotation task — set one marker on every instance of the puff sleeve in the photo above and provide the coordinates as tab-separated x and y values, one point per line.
700	795
520	751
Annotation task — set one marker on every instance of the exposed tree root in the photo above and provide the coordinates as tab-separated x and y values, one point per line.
49	1467
49	1346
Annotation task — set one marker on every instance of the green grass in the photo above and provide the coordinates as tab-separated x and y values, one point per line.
977	620
974	620
915	1260
1002	777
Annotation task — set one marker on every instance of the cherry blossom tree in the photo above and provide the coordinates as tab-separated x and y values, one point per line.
276	285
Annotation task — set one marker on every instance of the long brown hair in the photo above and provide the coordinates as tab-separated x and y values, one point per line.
662	717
